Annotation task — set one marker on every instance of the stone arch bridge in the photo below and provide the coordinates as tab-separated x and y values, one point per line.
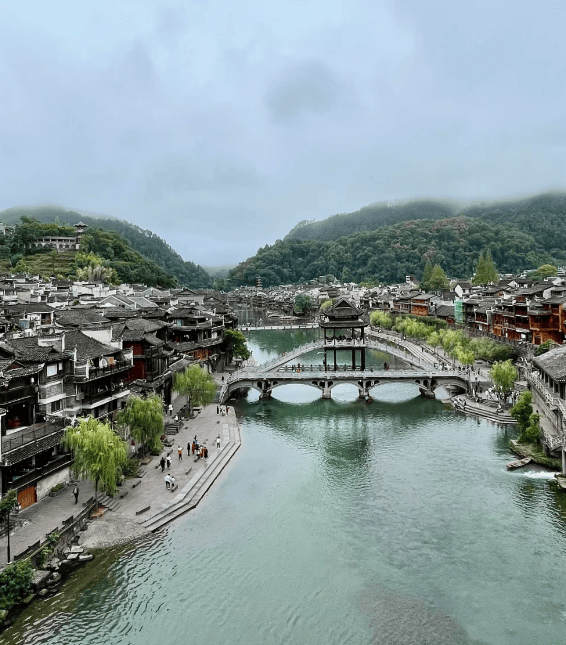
287	369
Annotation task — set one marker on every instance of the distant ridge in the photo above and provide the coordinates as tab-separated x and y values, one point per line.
383	243
142	240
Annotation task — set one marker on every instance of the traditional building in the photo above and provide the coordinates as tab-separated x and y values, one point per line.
343	325
62	243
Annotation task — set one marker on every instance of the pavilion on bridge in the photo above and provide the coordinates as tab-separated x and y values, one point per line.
344	326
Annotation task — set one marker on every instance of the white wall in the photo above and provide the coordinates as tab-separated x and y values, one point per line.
45	485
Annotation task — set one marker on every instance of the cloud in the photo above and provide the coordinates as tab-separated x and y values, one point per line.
305	87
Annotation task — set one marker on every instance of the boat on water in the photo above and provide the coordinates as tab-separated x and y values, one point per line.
519	463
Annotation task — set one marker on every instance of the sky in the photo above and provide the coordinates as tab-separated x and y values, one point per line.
219	124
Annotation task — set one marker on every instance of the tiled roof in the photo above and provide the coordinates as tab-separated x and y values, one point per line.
78	317
553	363
87	347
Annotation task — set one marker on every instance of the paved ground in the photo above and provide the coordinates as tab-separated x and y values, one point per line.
49	513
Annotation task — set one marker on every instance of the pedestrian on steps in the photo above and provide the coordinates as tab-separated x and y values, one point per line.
167	481
218	442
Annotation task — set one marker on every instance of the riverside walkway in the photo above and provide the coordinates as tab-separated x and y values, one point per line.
142	504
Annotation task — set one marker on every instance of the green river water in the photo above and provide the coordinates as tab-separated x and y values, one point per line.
337	523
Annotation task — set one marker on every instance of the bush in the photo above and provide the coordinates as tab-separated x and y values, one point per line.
15	583
532	433
57	488
131	467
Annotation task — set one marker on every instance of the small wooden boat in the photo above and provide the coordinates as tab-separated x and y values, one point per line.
519	463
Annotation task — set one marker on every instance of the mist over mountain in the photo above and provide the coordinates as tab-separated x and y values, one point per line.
385	242
141	240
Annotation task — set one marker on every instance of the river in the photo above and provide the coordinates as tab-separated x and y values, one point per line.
338	523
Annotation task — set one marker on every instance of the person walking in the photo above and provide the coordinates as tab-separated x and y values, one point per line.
170	409
218	442
217	409
189	449
162	463
180	453
76	493
172	483
167	481
168	462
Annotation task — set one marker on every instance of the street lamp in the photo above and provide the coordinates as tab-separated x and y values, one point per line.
14	507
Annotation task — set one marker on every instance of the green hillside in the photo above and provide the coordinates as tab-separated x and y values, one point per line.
103	253
389	253
369	218
145	242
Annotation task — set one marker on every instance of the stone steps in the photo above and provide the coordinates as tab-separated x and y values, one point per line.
109	502
194	491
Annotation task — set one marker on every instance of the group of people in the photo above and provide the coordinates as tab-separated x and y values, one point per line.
169	482
165	461
222	409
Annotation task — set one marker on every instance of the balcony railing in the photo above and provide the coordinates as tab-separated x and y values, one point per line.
16	394
38	473
29	434
87	372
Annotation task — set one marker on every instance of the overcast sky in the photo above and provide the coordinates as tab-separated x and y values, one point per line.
221	124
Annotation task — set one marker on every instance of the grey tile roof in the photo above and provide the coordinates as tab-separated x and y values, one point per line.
553	363
78	317
87	347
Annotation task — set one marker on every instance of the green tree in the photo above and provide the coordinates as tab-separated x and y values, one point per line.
503	374
522	411
236	344
544	271
545	347
381	319
326	304
197	384
303	303
531	434
98	453
144	418
486	271
427	273
438	279
15	583
21	267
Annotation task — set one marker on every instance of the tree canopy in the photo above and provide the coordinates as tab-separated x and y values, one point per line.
237	344
503	374
197	384
98	451
144	419
485	270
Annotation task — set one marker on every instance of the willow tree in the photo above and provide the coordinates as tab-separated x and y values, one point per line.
503	374
98	451
197	384
144	419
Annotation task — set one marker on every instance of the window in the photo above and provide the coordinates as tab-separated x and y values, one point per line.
56	405
52	370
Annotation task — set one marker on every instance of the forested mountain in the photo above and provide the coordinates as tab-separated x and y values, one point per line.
371	217
103	255
389	253
542	215
141	240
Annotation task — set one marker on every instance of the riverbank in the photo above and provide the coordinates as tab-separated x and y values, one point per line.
536	453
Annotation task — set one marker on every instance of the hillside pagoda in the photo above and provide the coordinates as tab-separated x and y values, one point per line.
344	326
